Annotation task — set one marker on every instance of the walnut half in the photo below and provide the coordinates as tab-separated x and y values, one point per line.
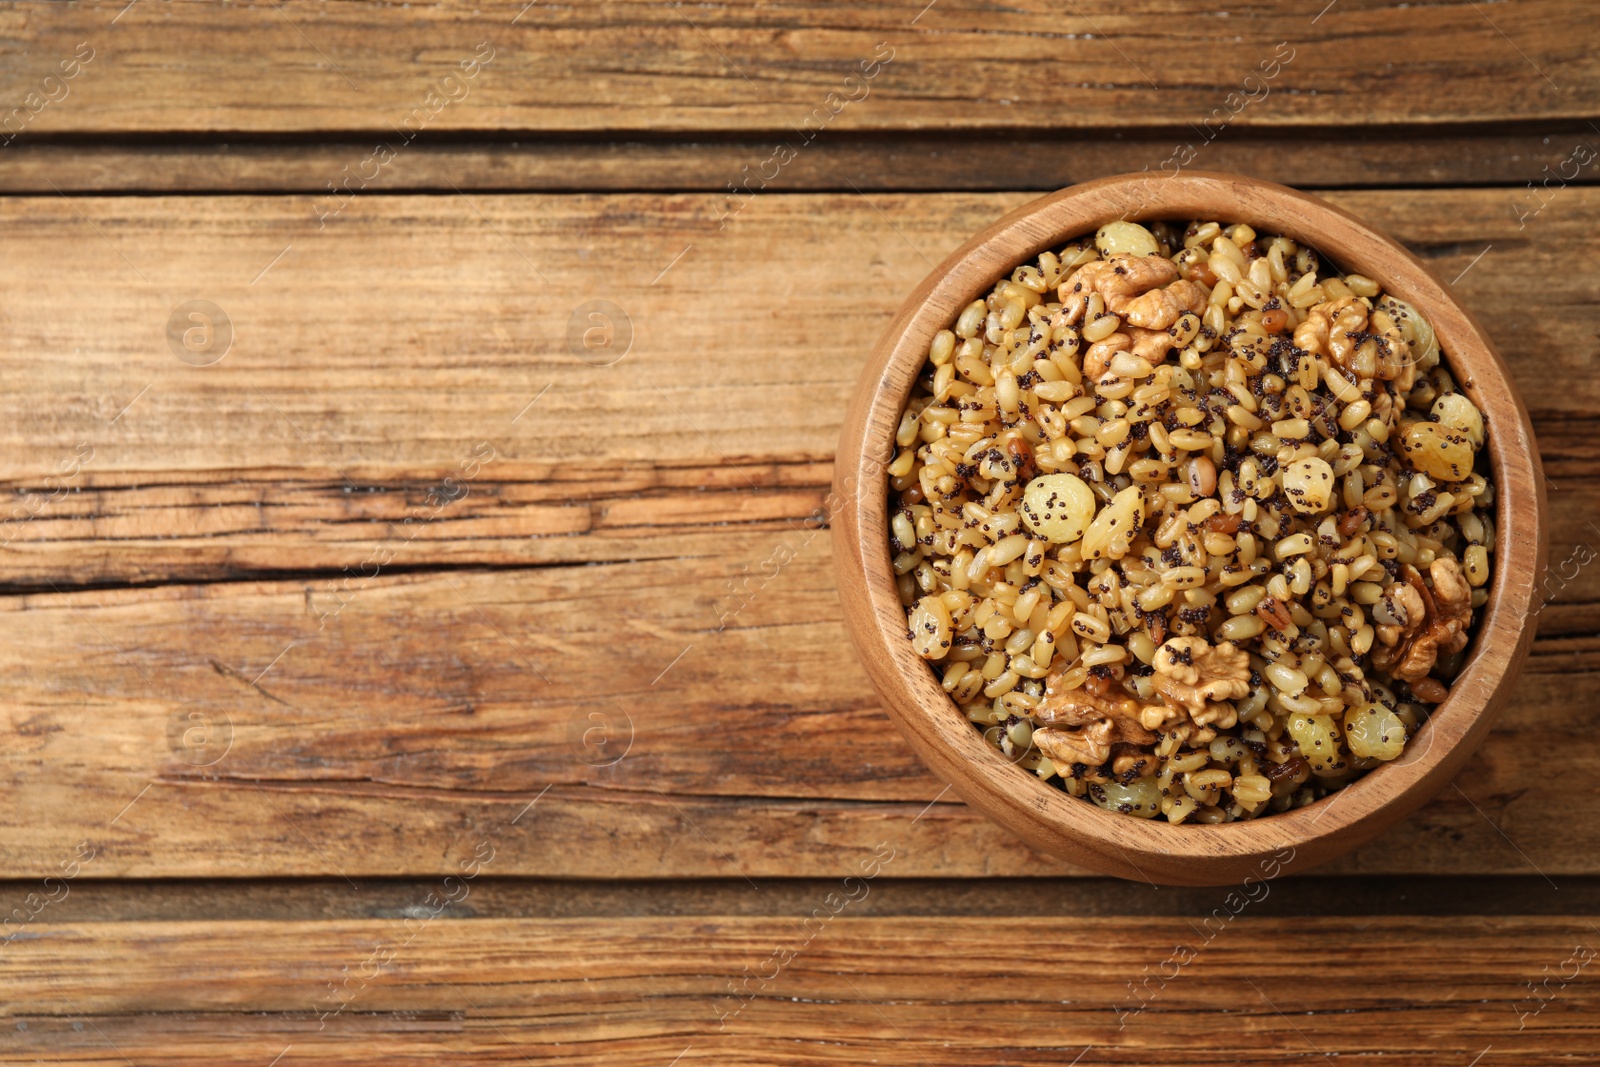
1084	725
1439	628
1195	675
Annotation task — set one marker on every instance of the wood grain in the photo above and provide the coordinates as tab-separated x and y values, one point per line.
417	717
303	66
346	365
414	715
940	991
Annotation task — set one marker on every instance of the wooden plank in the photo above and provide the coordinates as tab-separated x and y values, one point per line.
1215	989
355	385
301	66
1328	158
254	526
459	305
253	735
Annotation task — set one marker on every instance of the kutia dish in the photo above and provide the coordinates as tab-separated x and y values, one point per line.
1188	522
1191	499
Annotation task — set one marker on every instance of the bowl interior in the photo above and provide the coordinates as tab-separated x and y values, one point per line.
1075	828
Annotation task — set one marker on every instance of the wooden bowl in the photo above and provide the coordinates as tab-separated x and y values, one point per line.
1075	829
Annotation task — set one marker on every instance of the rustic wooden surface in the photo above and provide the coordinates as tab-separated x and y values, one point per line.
583	657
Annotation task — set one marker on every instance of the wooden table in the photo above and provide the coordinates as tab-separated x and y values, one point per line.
403	665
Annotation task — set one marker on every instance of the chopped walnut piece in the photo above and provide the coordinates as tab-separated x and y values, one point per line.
1090	746
1405	605
1327	328
1452	595
1191	672
1099	355
1218	713
1081	725
1144	290
1312	334
1118	279
1149	295
1339	328
1439	629
1151	345
1158	309
1347	322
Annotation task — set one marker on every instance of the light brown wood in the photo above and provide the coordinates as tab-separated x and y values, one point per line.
1222	987
380	721
298	65
1046	816
449	350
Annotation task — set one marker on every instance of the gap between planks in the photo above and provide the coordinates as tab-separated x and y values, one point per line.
323	899
622	161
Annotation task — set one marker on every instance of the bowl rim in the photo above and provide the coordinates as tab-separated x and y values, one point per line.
1043	814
